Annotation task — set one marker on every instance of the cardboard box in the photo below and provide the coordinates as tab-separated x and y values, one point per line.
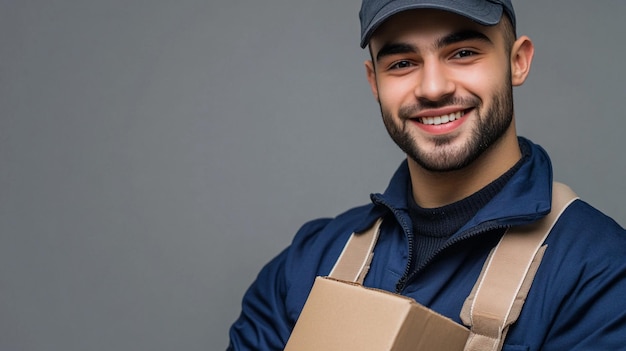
341	316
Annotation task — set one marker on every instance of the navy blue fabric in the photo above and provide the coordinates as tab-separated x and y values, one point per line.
577	300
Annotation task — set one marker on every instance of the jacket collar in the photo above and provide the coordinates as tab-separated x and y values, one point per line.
524	199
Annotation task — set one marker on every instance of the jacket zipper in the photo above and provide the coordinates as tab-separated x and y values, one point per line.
408	275
408	232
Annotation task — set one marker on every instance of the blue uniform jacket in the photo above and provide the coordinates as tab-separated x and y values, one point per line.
577	300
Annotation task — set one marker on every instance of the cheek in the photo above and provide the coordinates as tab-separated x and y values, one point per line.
482	81
486	78
395	92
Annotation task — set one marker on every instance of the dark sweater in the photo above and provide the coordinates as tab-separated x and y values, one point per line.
432	227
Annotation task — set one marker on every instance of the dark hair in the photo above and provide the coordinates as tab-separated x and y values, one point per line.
510	34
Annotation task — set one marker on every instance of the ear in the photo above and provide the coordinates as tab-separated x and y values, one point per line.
521	59
371	78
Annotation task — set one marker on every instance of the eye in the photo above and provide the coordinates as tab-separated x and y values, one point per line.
401	64
464	53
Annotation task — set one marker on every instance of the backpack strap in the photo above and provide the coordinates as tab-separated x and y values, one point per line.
499	294
354	261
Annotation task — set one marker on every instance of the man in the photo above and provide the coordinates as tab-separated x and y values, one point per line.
442	72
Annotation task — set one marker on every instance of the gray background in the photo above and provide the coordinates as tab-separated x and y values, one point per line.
155	154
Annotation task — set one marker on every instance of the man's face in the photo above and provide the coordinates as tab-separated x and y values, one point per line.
443	84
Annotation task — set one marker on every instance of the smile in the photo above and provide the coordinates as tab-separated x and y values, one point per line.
436	120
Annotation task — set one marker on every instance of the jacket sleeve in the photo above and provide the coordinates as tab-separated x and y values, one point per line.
265	322
594	315
592	279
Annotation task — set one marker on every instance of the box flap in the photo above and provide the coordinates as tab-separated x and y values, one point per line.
343	316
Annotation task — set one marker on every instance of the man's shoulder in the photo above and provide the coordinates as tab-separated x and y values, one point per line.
587	236
586	219
331	229
315	249
581	277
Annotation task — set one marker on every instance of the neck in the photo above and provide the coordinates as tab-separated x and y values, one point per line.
436	189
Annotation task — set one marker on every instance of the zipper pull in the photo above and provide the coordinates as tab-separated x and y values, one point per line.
400	285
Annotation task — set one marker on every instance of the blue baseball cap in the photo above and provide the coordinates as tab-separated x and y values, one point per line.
486	12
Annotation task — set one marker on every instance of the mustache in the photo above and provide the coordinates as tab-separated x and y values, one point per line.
407	111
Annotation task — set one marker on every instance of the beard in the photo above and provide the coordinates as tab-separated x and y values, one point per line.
491	125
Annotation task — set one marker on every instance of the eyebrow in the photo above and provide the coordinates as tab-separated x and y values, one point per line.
393	49
404	48
464	35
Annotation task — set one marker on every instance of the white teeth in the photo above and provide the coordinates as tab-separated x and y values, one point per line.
441	119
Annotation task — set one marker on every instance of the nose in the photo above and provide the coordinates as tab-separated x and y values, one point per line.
434	82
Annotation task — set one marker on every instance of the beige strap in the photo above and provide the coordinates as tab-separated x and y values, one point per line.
357	254
499	294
